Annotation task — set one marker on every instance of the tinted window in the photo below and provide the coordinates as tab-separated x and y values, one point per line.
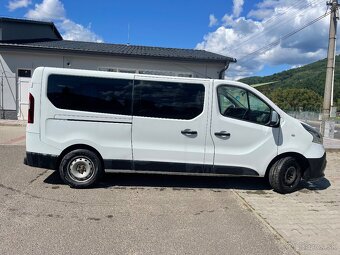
90	94
238	103
168	99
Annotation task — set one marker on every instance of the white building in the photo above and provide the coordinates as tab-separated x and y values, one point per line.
26	45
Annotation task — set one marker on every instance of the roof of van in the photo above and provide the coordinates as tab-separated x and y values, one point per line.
121	50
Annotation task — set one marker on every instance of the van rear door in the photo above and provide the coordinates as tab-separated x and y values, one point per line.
88	108
169	124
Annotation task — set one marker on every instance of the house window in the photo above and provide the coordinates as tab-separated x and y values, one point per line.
145	71
27	73
126	71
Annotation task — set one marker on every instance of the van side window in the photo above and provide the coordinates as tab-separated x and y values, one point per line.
169	100
239	103
90	94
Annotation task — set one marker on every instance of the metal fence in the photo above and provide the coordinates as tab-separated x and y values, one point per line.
309	116
305	115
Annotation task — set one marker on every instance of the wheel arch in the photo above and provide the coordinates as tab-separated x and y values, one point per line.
76	147
302	160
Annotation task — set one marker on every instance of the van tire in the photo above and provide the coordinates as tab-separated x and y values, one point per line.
81	168
285	175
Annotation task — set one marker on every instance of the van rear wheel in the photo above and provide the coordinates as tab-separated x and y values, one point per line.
80	168
285	175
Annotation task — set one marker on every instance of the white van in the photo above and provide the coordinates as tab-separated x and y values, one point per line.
85	122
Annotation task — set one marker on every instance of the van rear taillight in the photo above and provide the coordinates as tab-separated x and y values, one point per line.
31	109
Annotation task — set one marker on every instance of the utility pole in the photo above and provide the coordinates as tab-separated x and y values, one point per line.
326	125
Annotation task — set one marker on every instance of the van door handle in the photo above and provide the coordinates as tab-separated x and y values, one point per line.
223	134
188	132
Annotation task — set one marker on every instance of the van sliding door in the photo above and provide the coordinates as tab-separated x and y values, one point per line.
169	124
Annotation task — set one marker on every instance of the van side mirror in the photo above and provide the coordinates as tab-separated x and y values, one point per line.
274	119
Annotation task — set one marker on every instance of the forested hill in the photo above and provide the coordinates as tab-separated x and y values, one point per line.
310	77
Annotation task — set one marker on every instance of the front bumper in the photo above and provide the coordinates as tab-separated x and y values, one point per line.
316	168
41	160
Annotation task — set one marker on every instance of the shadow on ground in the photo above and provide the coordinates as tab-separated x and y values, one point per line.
320	184
173	181
111	180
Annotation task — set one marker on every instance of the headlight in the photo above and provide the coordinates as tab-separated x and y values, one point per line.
317	137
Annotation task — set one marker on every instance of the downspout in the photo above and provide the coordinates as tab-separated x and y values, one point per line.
222	72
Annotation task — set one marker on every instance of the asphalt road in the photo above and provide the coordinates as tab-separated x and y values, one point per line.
127	214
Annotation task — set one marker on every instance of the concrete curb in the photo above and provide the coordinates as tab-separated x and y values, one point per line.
331	144
9	124
318	122
332	149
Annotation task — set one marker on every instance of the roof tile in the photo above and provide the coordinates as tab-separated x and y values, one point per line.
121	49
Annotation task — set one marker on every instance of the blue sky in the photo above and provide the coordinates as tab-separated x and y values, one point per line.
214	25
166	23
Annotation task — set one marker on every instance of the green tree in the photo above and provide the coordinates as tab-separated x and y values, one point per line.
295	99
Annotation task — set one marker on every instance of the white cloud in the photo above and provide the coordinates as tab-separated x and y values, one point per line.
16	4
54	10
240	36
269	4
47	10
212	20
238	7
76	32
260	14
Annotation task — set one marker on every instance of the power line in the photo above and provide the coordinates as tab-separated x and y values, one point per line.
297	5
276	42
276	25
270	28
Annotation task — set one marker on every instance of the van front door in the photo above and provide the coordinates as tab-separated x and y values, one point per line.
244	143
169	124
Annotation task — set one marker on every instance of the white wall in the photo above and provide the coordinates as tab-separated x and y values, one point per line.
8	91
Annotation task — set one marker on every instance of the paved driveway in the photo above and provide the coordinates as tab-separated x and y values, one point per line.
126	214
308	219
150	214
12	135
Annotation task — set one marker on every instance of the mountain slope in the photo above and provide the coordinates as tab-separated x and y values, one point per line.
311	76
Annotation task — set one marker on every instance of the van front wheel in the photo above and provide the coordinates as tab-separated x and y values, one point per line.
80	168
285	175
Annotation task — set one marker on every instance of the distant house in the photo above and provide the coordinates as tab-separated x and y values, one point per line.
27	44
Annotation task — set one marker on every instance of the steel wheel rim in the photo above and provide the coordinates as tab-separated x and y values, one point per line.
81	169
290	175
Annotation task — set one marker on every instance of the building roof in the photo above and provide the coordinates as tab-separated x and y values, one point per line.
56	43
121	50
34	22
